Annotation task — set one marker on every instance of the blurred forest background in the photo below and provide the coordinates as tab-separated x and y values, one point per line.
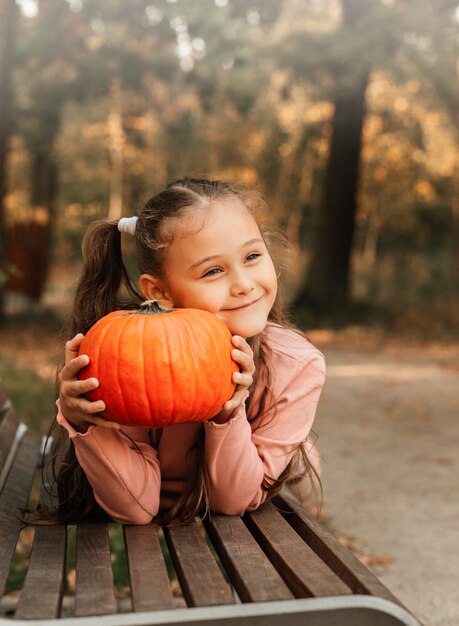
345	113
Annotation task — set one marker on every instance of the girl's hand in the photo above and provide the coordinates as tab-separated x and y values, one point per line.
79	411
243	356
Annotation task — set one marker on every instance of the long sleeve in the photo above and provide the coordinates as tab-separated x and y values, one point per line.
122	468
237	458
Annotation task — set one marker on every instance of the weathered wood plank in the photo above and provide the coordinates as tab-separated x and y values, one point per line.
94	594
252	573
150	588
14	496
8	428
338	558
199	576
41	596
300	567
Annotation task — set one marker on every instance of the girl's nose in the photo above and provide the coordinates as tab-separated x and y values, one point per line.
241	285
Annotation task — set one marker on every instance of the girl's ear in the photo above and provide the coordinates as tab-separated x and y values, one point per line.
154	289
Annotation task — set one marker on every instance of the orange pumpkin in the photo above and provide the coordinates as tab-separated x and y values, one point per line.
159	367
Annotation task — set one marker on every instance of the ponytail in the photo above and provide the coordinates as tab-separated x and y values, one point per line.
103	274
97	294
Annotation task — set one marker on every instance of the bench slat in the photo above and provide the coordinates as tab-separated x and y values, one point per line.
8	428
300	567
251	572
42	593
341	560
150	588
14	496
94	593
41	597
199	576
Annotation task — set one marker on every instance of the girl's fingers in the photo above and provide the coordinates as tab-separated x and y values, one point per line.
238	397
241	343
93	407
71	369
243	380
88	413
72	347
244	360
77	388
243	356
83	409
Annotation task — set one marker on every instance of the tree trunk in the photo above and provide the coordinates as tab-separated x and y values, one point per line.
454	110
329	274
328	281
8	22
43	200
455	219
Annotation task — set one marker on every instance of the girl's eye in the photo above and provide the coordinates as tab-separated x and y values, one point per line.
213	272
253	256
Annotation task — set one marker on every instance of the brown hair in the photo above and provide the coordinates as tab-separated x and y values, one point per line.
105	274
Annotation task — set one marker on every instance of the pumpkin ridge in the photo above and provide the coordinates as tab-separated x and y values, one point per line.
215	346
100	337
121	386
144	377
217	353
210	328
94	363
192	340
170	369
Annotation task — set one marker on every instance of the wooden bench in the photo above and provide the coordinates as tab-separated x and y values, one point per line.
276	566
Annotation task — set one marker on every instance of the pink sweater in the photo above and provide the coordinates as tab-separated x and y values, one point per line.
131	482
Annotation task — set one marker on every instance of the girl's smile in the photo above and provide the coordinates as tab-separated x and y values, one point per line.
245	306
218	261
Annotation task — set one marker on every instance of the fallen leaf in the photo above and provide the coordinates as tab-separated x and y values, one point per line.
176	591
71	580
376	559
359	552
445	460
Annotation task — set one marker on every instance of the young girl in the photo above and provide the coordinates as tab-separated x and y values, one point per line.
199	245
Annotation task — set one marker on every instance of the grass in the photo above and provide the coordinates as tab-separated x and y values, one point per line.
33	398
30	349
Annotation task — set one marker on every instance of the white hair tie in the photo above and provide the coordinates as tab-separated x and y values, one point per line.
127	224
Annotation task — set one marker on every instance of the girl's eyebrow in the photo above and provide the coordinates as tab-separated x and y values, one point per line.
217	256
252	241
208	258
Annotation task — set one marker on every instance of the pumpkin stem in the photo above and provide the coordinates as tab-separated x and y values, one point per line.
152	307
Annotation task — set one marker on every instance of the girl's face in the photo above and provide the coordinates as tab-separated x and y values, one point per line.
220	263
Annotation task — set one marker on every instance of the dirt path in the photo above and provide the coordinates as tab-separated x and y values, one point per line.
388	429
